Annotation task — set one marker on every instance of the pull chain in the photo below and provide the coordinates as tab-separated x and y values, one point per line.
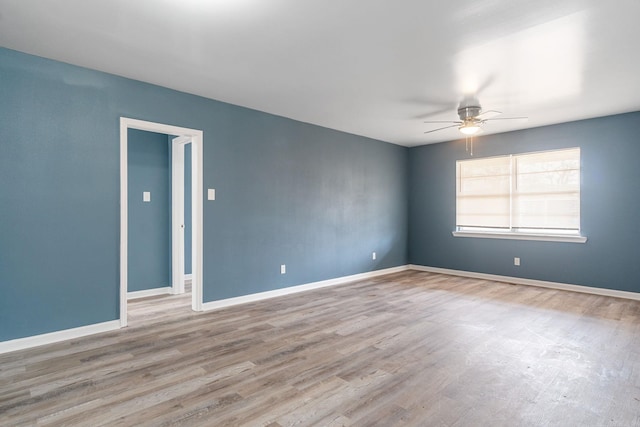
469	144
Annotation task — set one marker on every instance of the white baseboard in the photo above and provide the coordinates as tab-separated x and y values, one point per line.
214	305
187	279
149	292
53	337
532	282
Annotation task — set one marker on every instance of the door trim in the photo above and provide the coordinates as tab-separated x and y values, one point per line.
197	193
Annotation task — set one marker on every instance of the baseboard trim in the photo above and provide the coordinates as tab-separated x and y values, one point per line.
531	282
228	302
149	293
54	337
188	278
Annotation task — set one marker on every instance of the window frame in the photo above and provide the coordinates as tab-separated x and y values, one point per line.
514	233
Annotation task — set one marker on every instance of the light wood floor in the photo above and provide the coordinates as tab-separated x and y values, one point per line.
411	348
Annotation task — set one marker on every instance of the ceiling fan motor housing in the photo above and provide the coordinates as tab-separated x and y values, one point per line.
469	112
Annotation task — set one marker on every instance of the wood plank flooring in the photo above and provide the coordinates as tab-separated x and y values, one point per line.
408	349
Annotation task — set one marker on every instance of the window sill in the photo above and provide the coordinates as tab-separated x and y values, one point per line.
521	236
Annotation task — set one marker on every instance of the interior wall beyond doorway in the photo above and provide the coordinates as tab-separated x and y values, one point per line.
149	252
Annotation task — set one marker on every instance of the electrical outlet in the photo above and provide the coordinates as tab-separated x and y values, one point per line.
373	255
516	261
283	269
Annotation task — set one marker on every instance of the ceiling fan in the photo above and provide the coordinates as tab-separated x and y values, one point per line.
472	118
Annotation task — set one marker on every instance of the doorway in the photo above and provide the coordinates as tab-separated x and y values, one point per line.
185	136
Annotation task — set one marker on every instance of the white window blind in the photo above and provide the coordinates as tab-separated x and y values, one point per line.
484	193
535	193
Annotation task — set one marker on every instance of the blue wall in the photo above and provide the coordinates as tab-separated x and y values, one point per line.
610	202
149	250
290	193
317	200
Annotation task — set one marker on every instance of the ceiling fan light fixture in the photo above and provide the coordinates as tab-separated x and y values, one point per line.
469	128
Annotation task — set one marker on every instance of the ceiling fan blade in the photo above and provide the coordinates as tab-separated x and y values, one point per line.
430	101
507	118
446	127
487	115
433	113
485	84
458	122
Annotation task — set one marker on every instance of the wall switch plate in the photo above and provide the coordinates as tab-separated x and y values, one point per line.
516	261
211	194
283	269
373	255
146	196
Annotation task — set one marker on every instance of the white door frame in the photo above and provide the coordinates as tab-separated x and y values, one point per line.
196	138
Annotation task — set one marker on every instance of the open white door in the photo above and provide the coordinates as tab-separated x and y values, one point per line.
177	213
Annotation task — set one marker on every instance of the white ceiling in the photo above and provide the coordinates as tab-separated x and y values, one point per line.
377	68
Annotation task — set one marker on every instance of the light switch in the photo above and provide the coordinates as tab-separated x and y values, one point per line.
211	194
146	196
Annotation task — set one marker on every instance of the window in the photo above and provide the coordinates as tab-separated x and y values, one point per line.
528	196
